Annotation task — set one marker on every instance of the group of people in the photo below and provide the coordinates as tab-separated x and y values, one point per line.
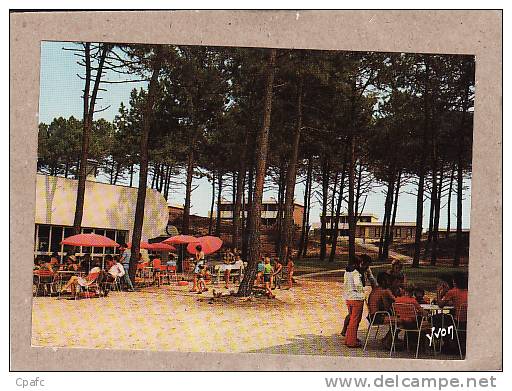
201	274
116	266
269	272
391	287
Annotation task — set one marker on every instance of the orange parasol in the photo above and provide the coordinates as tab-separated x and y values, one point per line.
89	240
209	244
181	239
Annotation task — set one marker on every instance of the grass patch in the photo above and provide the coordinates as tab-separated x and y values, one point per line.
426	277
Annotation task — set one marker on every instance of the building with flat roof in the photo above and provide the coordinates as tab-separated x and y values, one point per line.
367	226
269	211
108	210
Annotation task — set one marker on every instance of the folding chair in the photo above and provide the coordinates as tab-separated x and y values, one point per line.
45	279
92	283
387	318
403	314
171	272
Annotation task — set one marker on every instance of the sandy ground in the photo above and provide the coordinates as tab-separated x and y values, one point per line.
304	320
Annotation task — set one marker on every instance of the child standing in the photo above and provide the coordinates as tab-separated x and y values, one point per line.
267	277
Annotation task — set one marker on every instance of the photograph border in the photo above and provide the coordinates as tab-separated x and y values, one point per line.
443	31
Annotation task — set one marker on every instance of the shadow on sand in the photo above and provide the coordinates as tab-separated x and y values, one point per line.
333	345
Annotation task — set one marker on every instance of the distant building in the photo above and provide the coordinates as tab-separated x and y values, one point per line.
368	227
268	214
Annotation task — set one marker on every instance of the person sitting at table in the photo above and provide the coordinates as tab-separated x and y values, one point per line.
409	320
239	266
201	279
75	281
51	264
172	260
419	295
457	297
398	282
38	263
69	264
267	277
260	268
86	263
114	270
228	260
381	299
441	289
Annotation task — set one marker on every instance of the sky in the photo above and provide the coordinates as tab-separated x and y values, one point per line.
61	96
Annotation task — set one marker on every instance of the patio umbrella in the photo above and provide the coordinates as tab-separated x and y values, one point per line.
160	247
209	244
142	245
89	240
181	239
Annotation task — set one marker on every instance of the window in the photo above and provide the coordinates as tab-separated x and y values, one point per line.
68	231
111	234
56	238
43	238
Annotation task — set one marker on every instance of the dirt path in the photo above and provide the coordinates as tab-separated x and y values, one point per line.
304	320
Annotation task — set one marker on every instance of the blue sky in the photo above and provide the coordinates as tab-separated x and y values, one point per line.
60	95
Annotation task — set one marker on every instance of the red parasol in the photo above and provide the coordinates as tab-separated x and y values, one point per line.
89	240
209	244
181	239
160	247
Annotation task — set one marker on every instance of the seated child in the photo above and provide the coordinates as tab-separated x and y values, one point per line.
259	272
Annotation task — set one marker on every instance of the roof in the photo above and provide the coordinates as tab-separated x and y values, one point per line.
267	201
360	215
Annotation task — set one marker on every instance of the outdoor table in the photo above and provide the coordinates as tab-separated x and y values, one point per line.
147	273
224	266
435	309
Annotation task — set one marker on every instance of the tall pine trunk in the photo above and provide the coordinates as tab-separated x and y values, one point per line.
188	192
460	164
261	152
458	238
144	158
325	191
280	206
421	174
291	177
212	205
308	213
437	212
238	199
334	235
89	106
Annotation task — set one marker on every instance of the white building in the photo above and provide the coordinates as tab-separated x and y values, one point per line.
108	210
